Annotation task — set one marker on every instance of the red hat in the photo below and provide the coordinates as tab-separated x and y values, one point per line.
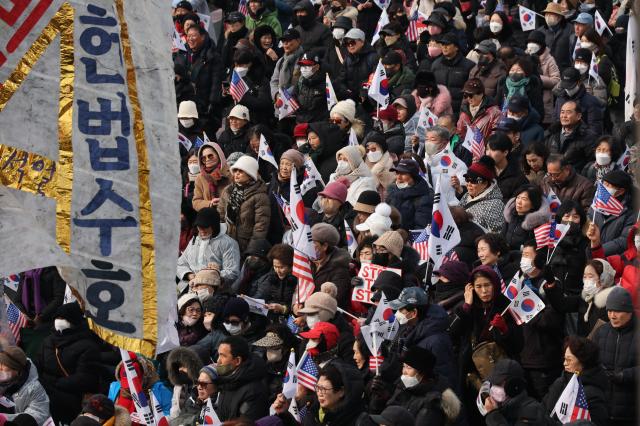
484	168
390	113
326	329
336	191
300	131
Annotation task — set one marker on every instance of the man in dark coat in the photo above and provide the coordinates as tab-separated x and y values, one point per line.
241	381
310	91
452	69
572	89
556	33
572	138
618	345
359	63
312	32
203	68
415	201
566	183
236	32
508	173
332	263
68	363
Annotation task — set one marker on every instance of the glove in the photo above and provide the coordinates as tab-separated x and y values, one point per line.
499	323
547	274
377	384
356	282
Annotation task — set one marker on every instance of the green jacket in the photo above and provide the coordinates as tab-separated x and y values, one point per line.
269	18
402	82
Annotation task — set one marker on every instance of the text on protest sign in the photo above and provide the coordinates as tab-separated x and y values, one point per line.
369	272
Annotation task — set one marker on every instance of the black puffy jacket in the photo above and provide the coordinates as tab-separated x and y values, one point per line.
431	402
452	73
234	142
577	148
312	98
358	67
619	355
415	204
243	392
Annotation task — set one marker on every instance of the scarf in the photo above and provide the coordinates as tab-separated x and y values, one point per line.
213	178
31	297
603	170
514	88
289	62
236	198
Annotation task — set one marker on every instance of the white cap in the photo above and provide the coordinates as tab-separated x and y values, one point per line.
247	164
355	34
239	111
187	109
379	222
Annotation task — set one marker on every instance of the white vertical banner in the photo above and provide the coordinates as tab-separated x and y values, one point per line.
631	75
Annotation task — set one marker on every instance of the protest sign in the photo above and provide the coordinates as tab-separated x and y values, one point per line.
369	272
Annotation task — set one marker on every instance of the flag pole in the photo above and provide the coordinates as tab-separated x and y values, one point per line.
342	311
375	328
502	313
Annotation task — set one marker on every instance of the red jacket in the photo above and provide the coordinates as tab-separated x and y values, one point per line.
626	266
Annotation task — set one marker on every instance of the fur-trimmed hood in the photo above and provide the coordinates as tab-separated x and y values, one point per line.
600	299
121	416
450	404
531	220
183	357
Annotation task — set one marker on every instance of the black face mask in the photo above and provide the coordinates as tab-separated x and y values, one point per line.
376	296
424	92
305	21
483	61
182	378
254	264
381	259
336	9
574	228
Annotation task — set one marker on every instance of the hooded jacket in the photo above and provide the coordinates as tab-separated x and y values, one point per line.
487	208
254	213
29	396
265	18
381	172
183	399
312	33
360	177
210	185
325	156
432	402
519	229
243	392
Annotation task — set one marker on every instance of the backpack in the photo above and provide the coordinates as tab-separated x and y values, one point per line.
614	84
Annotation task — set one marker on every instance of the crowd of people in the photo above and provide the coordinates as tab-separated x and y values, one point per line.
547	107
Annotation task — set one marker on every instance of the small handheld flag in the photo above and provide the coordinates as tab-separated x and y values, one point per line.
237	88
331	94
264	152
606	203
527	18
379	88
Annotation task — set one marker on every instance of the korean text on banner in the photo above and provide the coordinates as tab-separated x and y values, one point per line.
369	272
88	185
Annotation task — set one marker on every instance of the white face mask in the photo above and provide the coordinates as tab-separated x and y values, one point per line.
533	48
241	71
187	122
495	27
610	190
194	168
374	156
573	91
552	20
590	287
188	321
312	344
274	355
588	45
636	242
431	148
582	68
300	142
202	295
312	320
526	265
343	168
498	394
402	185
338	33
5	376
401	318
233	330
409	381
208	320
306	71
61	324
603	159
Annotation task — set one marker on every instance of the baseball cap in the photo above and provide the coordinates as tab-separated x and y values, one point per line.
326	329
407	165
486	46
518	104
584	18
507	124
447	38
570	77
290	34
355	34
410	296
392	58
234	16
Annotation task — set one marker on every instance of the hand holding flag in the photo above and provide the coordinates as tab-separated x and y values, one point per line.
264	152
379	88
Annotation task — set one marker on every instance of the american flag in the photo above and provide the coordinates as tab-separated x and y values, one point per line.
542	234
503	285
302	270
16	320
451	255
606	203
420	240
292	325
286	104
580	408
412	32
307	372
375	362
242	7
474	142
238	88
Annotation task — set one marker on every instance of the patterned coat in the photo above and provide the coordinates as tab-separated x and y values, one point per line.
486	208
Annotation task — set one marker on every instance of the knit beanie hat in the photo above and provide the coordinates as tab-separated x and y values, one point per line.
186	299
377	138
207	277
619	300
13	357
236	306
330	288
538	38
325	233
379	222
100	406
247	164
619	179
233	157
210	371
336	191
392	241
367	202
71	312
346	108
295	156
300	131
455	271
421	359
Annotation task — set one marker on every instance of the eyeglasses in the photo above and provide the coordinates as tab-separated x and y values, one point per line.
193	310
208	157
336	120
475	181
234	323
554	175
467	95
350	43
203	384
321	390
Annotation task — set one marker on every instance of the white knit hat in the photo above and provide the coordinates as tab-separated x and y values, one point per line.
239	111
379	222
347	109
247	164
187	298
187	109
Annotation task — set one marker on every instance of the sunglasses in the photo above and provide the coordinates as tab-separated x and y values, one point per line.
234	323
475	181
467	95
208	157
336	120
350	43
203	384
